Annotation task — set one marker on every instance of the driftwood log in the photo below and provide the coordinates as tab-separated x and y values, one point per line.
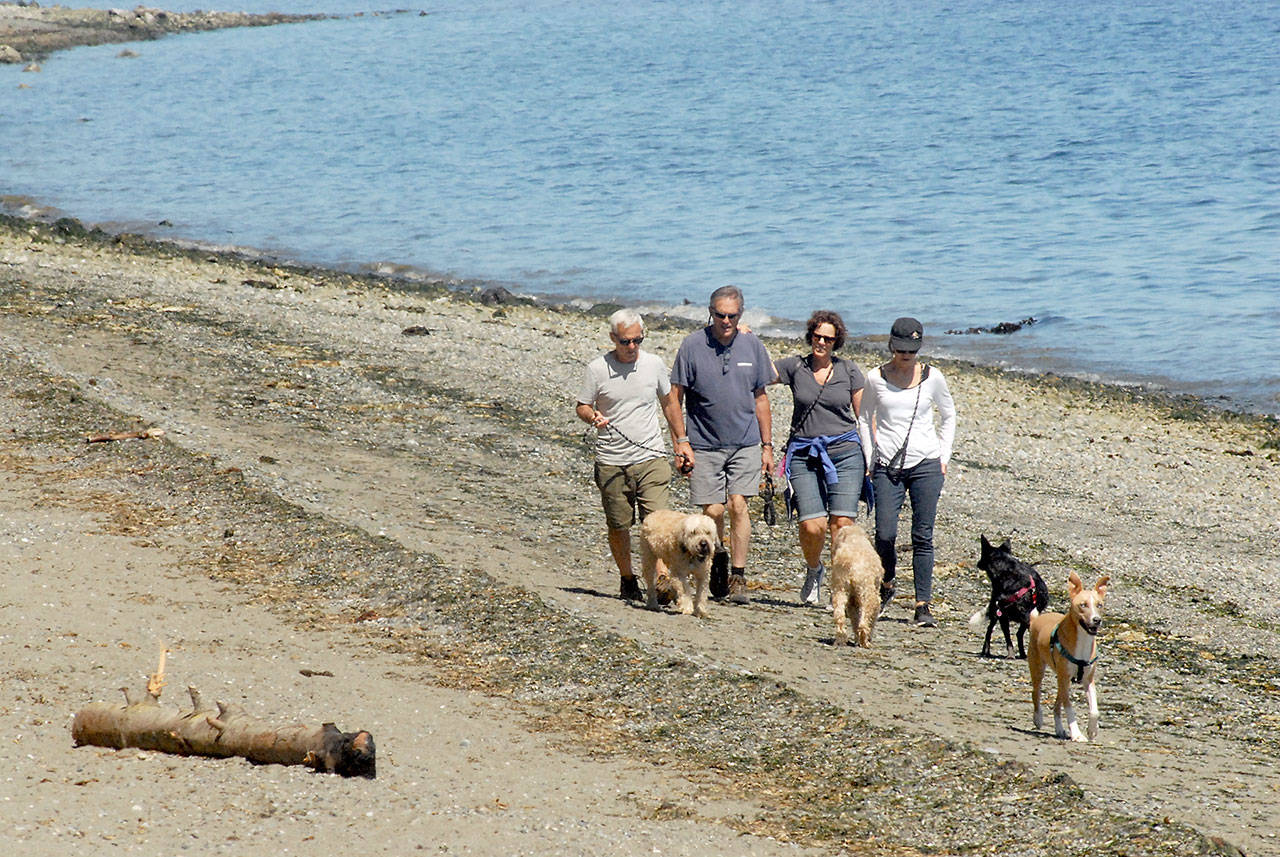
139	434
225	731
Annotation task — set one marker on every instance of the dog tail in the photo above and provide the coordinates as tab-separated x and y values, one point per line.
976	619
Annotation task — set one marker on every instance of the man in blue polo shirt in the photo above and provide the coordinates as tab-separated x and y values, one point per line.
719	376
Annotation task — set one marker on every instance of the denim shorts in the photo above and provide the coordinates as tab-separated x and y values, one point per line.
814	498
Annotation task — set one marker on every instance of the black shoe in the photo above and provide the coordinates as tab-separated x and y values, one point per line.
630	590
924	619
719	583
886	597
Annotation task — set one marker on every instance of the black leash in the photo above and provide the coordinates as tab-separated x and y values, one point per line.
586	438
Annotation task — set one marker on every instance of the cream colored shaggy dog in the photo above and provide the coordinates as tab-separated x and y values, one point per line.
855	584
685	544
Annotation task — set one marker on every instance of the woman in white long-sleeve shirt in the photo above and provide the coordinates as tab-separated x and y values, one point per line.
907	454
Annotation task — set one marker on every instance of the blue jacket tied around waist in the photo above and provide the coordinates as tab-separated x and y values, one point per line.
810	447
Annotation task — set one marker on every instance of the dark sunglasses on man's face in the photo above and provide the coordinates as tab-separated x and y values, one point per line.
635	341
818	337
726	316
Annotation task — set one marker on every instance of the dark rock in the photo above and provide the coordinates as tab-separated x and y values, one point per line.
497	296
1003	328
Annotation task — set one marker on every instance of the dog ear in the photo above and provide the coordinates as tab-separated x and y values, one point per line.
1007	547
1101	585
986	545
1074	585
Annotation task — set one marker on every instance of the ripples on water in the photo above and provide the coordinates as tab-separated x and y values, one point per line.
1110	170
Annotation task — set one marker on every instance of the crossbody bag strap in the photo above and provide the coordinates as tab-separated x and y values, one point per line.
924	374
821	388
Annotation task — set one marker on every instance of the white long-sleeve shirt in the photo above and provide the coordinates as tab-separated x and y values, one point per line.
886	413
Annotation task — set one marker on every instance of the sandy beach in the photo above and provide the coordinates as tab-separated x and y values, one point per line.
386	482
368	501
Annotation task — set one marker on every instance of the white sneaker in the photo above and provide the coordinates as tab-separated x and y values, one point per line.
812	584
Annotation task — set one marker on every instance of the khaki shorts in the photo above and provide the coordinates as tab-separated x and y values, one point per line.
623	487
719	473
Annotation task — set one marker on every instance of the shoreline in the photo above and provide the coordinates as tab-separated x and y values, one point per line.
29	32
411	280
425	497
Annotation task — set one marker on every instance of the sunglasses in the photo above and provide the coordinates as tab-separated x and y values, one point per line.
818	337
726	316
635	341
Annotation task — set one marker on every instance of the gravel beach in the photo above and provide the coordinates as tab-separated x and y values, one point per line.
384	481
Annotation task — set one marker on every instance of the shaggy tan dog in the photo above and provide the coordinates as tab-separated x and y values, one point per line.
855	584
685	544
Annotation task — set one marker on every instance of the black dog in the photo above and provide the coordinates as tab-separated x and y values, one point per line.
1016	590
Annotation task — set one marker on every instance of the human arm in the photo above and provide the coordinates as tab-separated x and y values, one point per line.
779	373
865	409
765	418
589	414
673	410
946	418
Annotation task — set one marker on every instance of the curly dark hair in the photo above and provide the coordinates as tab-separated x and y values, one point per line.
826	316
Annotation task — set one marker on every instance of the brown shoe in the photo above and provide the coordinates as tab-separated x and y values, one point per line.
738	589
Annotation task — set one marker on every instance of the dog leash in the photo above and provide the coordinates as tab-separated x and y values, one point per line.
1080	665
586	439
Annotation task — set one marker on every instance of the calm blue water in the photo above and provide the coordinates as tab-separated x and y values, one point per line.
1111	169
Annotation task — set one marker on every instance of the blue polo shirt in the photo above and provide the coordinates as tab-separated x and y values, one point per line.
720	384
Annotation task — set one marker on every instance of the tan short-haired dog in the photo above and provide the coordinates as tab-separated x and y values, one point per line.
1070	644
686	544
856	573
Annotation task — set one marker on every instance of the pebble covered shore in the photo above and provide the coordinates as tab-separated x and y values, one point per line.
399	465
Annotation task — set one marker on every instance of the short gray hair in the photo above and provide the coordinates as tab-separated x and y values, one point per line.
625	318
727	292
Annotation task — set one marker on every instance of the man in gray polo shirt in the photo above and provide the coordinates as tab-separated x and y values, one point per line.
620	393
719	376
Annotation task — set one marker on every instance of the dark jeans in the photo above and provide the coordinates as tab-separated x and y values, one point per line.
924	483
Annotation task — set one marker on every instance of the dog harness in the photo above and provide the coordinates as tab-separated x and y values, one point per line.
1014	599
1080	665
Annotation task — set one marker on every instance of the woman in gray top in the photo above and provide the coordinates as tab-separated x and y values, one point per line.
825	467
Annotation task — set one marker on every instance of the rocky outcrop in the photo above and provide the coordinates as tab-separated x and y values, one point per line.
29	31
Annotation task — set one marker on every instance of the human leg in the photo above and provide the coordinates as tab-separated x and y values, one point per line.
739	530
890	495
813	535
924	482
742	480
618	500
620	547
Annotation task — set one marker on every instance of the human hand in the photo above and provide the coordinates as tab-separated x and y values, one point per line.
684	458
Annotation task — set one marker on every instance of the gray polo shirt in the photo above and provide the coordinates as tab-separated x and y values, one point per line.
720	384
